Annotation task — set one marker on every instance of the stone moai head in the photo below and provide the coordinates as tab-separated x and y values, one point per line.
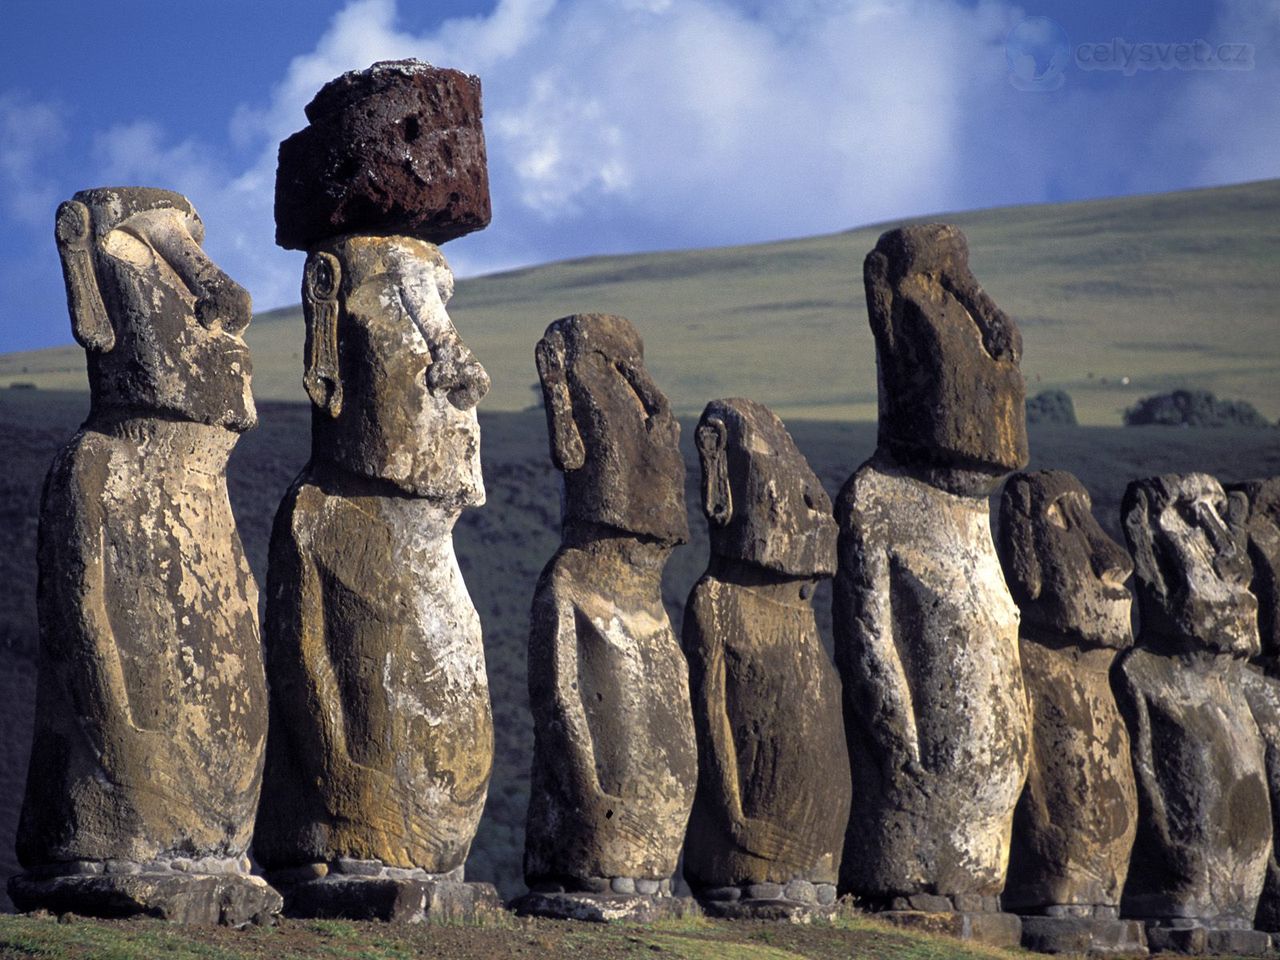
1264	553
162	325
1066	575
764	505
952	399
397	149
1189	544
392	385
392	162
611	429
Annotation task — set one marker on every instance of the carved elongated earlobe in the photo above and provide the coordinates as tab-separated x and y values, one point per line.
711	439
567	451
875	279
1236	520
320	281
1237	517
89	321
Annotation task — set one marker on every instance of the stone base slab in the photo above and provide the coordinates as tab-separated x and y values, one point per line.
798	901
937	903
227	899
1095	936
1195	937
790	911
604	907
993	929
339	897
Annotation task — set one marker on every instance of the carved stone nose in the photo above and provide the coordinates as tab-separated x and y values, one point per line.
221	300
1110	562
456	372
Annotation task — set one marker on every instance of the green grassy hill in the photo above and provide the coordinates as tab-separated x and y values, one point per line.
1168	290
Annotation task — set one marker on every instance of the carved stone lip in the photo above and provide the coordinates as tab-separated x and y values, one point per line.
1115	595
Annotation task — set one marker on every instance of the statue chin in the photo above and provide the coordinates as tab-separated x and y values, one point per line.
457	488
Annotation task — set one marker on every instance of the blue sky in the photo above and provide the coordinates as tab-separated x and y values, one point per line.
629	125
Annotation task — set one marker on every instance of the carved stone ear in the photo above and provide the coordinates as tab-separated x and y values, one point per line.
1138	533
567	451
89	321
712	438
875	278
321	279
1237	517
1018	553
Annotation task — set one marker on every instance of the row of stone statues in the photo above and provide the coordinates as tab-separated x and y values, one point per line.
156	746
981	741
955	754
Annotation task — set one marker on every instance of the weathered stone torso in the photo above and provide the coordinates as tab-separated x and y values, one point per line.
1204	829
936	712
1262	689
774	784
1075	823
152	717
615	761
385	739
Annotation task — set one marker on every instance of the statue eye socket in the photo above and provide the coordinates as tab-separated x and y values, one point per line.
126	246
1056	516
640	385
1189	511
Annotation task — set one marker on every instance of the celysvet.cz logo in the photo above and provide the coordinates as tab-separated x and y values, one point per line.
1039	55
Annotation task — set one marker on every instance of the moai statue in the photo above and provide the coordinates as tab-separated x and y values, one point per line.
1262	678
381	739
772	803
1204	818
615	756
151	712
1074	826
926	632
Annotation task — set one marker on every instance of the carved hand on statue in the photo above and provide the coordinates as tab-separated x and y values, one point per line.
140	759
626	817
361	793
770	841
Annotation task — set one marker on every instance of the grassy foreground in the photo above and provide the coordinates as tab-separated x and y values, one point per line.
698	939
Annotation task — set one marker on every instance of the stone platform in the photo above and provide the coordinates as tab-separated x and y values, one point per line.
119	889
796	902
604	900
368	890
1096	931
1200	937
966	917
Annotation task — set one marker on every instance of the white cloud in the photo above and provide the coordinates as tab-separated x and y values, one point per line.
31	130
1228	118
618	125
635	124
707	122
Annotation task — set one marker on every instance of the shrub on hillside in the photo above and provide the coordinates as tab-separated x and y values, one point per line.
1051	406
1193	408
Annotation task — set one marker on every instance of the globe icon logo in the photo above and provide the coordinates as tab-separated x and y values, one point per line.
1038	52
